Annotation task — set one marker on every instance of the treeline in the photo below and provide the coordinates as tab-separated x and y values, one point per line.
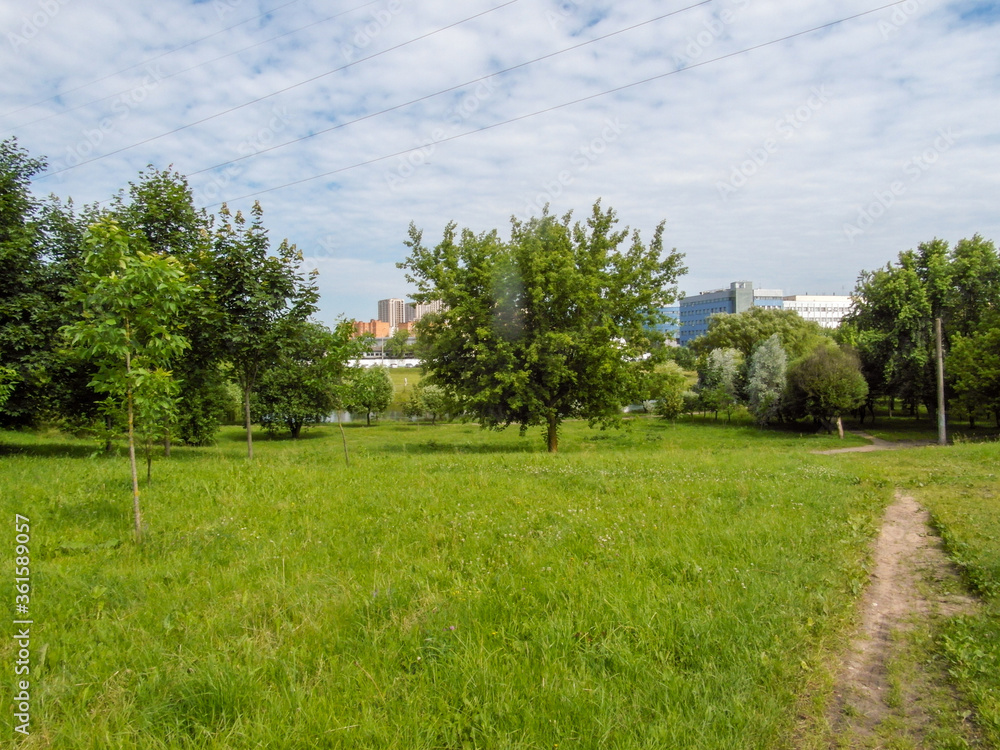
151	318
782	368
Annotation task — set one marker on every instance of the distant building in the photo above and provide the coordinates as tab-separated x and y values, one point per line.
392	311
377	328
416	310
826	309
672	325
768	298
697	309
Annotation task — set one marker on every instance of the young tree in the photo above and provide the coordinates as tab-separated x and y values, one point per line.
130	302
257	293
826	385
370	391
670	383
718	381
766	380
160	207
555	323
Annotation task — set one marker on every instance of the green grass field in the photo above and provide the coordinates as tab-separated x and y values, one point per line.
664	586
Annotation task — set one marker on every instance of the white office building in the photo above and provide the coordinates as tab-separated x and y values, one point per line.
826	309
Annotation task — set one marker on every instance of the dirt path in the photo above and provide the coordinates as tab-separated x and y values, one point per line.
891	692
878	444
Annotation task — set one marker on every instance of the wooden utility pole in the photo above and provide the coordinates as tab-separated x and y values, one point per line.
942	425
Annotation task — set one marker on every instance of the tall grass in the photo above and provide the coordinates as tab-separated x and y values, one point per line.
664	586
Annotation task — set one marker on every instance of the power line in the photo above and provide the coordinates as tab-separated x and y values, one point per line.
281	91
193	67
555	107
147	60
451	88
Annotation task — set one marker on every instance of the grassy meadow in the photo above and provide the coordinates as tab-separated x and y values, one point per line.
663	586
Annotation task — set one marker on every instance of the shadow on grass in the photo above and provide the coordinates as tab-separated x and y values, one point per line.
434	446
50	450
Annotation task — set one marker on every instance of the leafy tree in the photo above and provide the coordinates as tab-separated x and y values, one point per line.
745	331
130	301
160	207
302	387
7	379
370	391
974	367
766	380
555	323
396	345
670	383
892	323
718	380
826	385
258	294
427	398
39	258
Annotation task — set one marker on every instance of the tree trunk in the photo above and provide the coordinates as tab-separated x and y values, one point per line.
166	445
131	455
553	433
368	418
343	435
840	427
246	409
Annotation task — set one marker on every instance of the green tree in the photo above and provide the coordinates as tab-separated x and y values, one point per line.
258	294
130	302
670	383
370	391
766	379
396	345
302	387
974	367
718	380
555	323
40	248
160	207
745	331
826	385
892	323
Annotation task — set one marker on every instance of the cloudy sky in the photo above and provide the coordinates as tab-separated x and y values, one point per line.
781	142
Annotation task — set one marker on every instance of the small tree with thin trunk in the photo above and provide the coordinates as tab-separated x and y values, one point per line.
128	326
370	391
259	295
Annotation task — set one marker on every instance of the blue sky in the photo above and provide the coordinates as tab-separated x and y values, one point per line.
794	165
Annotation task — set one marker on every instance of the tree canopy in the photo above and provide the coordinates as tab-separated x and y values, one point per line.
554	323
745	331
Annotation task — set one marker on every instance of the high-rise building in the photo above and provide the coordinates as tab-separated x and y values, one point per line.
416	310
392	311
